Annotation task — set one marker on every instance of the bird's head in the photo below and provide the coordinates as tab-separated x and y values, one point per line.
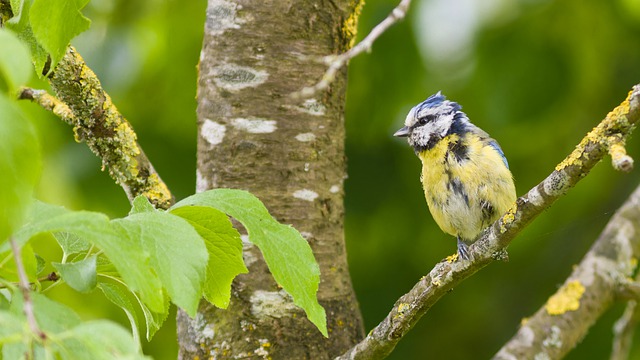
431	120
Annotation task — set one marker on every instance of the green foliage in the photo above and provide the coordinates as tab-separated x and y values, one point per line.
285	251
65	335
14	61
80	275
155	257
17	142
224	247
47	26
174	251
20	24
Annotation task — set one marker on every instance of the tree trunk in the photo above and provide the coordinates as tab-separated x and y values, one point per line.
289	154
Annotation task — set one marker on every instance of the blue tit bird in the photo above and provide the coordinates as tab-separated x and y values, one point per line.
465	175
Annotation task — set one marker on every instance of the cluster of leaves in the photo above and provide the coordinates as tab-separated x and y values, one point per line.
141	262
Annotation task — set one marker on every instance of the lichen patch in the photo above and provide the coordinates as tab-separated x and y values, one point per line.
566	299
232	77
221	16
271	304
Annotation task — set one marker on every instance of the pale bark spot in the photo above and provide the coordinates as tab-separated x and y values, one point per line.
305	137
305	194
271	304
213	132
202	183
254	126
334	189
535	197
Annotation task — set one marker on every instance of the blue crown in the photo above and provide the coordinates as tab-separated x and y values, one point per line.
436	100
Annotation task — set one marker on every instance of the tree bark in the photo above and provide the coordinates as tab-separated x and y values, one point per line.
290	155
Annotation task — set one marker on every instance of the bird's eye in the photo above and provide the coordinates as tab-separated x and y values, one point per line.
425	119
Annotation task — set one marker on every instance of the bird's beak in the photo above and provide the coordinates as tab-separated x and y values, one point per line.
404	132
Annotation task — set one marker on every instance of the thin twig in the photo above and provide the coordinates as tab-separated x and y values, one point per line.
623	331
49	103
336	62
447	274
26	295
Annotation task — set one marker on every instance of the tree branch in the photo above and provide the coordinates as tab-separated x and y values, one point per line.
589	291
98	122
48	102
24	288
336	62
623	331
446	275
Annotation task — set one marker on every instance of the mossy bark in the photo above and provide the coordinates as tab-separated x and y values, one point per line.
290	154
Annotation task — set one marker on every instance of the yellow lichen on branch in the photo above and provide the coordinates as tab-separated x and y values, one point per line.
97	121
566	299
615	125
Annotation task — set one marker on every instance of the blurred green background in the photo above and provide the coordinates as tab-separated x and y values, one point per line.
537	75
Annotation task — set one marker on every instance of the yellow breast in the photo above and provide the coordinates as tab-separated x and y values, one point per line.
466	184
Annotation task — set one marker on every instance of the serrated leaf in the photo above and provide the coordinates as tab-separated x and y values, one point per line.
140	205
15	61
71	243
285	251
55	23
224	247
19	24
176	253
8	269
128	257
19	166
80	275
118	297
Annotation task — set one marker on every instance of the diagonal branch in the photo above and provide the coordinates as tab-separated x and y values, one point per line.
98	122
336	62
589	291
446	275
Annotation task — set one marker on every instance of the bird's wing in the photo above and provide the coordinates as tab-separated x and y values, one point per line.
494	144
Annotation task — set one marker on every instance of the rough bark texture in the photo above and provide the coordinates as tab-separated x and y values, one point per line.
291	155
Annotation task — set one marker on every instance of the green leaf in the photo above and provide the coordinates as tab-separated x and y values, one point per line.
70	338
140	205
55	23
100	340
153	319
15	61
71	243
40	264
128	257
176	253
118	297
8	269
80	275
19	23
10	327
224	247
19	166
285	251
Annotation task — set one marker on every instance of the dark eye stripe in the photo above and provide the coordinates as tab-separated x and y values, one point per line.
425	119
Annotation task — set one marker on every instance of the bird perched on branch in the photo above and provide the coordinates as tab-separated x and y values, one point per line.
465	175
